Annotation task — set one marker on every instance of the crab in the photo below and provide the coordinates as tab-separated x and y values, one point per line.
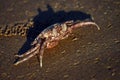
50	37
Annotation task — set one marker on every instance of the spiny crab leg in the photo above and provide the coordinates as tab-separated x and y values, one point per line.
27	58
39	49
28	52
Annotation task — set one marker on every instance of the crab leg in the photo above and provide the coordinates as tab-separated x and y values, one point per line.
41	53
28	52
27	58
85	23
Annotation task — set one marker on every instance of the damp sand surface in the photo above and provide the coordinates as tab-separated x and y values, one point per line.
88	54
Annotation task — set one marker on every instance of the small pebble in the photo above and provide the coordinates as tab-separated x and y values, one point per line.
109	26
105	13
74	39
96	62
78	51
76	63
109	67
66	76
95	44
63	51
97	58
117	41
20	76
89	43
83	46
113	74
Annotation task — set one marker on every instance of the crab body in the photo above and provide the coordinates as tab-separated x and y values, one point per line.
50	37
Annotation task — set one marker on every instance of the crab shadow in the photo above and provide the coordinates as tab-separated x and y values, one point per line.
47	18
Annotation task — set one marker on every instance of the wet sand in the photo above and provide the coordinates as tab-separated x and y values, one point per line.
89	54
